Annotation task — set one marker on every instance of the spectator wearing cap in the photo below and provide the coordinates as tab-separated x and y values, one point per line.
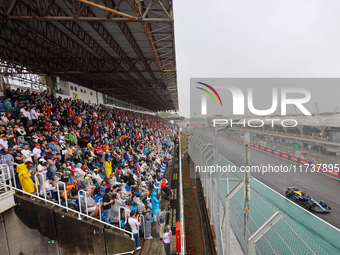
18	156
72	138
71	201
108	167
78	157
37	151
107	202
53	146
42	168
87	184
96	176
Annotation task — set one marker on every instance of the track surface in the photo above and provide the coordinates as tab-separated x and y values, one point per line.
318	185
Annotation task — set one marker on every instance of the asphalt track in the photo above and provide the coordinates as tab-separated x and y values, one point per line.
318	185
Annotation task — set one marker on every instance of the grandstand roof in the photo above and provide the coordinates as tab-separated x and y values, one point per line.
125	49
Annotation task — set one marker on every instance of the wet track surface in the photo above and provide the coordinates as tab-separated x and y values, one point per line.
317	185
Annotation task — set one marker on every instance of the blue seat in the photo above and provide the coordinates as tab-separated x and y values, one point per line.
98	164
133	208
128	188
97	197
122	223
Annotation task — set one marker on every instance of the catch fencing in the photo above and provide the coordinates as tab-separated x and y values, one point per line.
272	227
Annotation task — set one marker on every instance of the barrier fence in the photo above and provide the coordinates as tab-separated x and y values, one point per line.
272	226
330	169
6	184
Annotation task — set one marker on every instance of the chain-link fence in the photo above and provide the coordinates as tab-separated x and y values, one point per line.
288	236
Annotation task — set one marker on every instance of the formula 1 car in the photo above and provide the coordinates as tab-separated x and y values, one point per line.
307	201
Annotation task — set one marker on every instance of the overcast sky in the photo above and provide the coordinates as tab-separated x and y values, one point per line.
262	38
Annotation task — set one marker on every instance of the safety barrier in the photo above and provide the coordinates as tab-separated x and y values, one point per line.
5	175
225	198
12	186
181	199
120	215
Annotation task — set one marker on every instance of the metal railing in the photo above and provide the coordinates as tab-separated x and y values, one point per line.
181	201
5	177
10	186
142	220
42	185
120	215
59	195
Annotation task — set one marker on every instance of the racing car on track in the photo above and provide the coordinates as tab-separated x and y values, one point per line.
309	202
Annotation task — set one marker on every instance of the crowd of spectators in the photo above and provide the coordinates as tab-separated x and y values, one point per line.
113	155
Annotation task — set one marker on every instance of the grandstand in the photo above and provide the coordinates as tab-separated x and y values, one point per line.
75	151
81	84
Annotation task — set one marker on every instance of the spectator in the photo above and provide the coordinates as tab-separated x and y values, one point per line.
166	193
74	138
37	151
167	240
3	143
25	178
161	221
8	105
50	188
64	172
147	223
134	224
92	206
155	203
27	153
107	202
8	159
115	207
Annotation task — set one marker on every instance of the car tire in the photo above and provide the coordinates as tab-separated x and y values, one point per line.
316	208
288	193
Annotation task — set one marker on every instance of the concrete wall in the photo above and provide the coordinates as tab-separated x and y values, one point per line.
33	227
85	94
28	228
100	97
